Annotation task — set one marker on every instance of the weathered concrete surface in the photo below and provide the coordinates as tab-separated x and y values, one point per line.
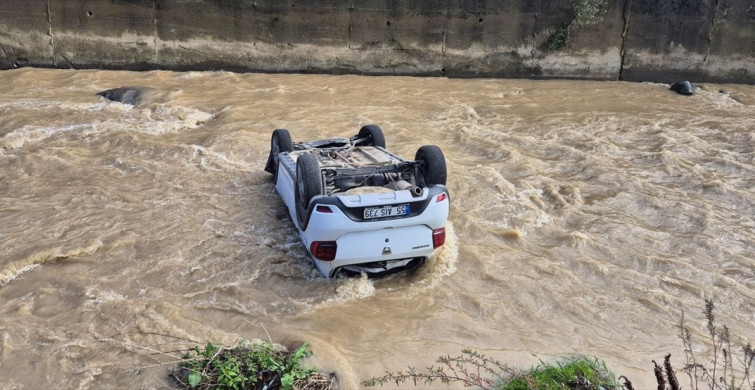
25	37
639	40
98	34
679	39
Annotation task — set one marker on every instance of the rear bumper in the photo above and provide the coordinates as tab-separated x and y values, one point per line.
379	246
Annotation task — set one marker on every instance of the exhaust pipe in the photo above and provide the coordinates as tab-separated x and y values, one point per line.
405	185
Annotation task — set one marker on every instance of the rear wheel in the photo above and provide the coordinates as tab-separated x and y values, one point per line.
432	165
372	135
308	185
279	143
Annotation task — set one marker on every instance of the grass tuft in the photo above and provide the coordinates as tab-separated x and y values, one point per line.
581	373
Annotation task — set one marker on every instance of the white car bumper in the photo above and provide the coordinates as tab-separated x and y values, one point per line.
376	245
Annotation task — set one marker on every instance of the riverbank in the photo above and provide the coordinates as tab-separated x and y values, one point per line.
630	40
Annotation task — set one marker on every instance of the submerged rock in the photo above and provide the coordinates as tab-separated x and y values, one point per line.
683	88
126	95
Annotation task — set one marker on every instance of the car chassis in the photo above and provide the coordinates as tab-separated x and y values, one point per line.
359	208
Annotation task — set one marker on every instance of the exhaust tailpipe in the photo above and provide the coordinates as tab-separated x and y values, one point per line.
405	185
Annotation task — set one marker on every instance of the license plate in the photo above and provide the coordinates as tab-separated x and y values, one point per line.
387	211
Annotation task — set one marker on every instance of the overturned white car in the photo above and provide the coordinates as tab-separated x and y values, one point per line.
358	207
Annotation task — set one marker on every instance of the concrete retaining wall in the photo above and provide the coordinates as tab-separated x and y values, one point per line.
636	40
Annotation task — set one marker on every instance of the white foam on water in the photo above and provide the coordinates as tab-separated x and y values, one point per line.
440	265
348	290
97	297
13	270
207	159
355	288
161	119
103	118
16	139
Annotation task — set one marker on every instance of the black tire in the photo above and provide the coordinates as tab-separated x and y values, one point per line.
308	185
279	143
373	136
432	165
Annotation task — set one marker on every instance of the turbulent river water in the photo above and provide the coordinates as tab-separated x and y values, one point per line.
585	217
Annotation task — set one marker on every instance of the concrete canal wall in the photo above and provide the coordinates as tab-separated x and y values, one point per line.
635	40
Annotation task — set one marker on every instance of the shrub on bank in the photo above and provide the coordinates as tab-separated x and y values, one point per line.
248	366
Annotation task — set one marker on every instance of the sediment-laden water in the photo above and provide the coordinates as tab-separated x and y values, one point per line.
586	216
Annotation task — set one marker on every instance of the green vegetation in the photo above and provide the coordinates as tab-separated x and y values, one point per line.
577	373
586	12
721	371
248	366
473	369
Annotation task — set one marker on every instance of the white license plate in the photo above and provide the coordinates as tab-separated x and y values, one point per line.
388	211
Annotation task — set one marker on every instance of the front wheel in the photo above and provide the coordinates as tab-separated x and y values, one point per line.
432	165
279	143
308	185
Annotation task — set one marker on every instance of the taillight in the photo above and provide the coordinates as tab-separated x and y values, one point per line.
439	237
326	250
440	198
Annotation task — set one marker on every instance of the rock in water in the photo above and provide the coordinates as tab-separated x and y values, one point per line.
125	95
683	87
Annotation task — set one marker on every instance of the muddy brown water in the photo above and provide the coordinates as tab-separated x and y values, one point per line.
585	217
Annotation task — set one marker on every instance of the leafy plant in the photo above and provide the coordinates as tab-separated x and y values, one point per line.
247	366
293	368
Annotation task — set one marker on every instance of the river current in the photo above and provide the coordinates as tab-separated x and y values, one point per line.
585	217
